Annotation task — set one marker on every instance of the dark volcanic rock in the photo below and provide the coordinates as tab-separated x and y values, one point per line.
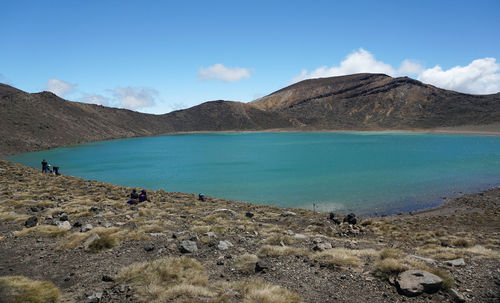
31	222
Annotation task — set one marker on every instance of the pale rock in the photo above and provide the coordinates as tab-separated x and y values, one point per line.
87	227
455	262
64	225
223	245
415	282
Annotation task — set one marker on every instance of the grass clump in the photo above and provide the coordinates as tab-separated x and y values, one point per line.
42	230
167	279
246	262
277	239
462	242
390	253
389	267
18	289
108	238
448	280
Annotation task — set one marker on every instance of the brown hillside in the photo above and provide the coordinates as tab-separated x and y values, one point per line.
373	101
30	122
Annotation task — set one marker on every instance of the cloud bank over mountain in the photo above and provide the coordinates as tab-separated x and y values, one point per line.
481	76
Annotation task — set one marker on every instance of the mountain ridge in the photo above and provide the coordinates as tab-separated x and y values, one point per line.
36	121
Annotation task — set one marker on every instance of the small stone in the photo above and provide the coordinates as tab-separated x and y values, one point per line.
458	297
34	209
426	260
77	224
249	214
188	246
31	222
107	278
343	277
86	228
225	211
90	240
107	225
322	246
211	234
455	262
300	237
261	266
223	245
149	247
220	262
288	214
64	225
95	298
63	217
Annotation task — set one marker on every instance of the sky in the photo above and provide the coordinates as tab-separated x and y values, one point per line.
158	56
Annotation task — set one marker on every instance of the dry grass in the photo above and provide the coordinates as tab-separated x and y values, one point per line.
13	216
391	253
108	238
270	294
343	256
273	251
42	230
389	267
278	239
246	263
448	280
17	289
462	242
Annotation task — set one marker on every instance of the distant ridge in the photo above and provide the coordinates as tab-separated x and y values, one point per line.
31	122
377	101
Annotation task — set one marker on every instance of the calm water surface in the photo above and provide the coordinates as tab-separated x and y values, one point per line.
360	172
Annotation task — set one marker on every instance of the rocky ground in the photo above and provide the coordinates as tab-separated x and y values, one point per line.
82	237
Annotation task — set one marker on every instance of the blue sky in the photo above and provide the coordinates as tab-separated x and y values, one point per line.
156	56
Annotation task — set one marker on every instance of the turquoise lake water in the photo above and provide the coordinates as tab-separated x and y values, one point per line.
361	172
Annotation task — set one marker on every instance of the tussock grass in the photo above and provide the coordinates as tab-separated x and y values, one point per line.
448	280
165	279
390	253
273	251
462	242
18	289
388	267
109	237
270	294
13	216
42	230
246	263
278	239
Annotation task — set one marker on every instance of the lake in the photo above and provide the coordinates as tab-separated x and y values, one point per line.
365	172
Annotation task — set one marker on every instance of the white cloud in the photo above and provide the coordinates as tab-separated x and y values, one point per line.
360	61
409	67
60	87
222	73
135	97
481	76
95	99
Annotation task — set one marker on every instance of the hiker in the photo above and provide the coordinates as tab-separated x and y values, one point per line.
134	197
47	169
44	165
55	171
143	197
201	197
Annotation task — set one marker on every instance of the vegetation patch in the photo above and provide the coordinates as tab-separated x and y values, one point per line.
42	230
18	289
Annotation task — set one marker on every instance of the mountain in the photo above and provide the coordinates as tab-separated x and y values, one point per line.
31	122
377	101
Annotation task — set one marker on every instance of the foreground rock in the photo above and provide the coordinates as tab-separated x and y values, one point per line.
414	282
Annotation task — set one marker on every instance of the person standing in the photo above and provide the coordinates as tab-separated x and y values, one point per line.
44	165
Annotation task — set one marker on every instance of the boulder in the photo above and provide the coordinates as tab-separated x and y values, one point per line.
31	222
188	246
149	247
223	245
419	258
249	214
455	262
414	282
